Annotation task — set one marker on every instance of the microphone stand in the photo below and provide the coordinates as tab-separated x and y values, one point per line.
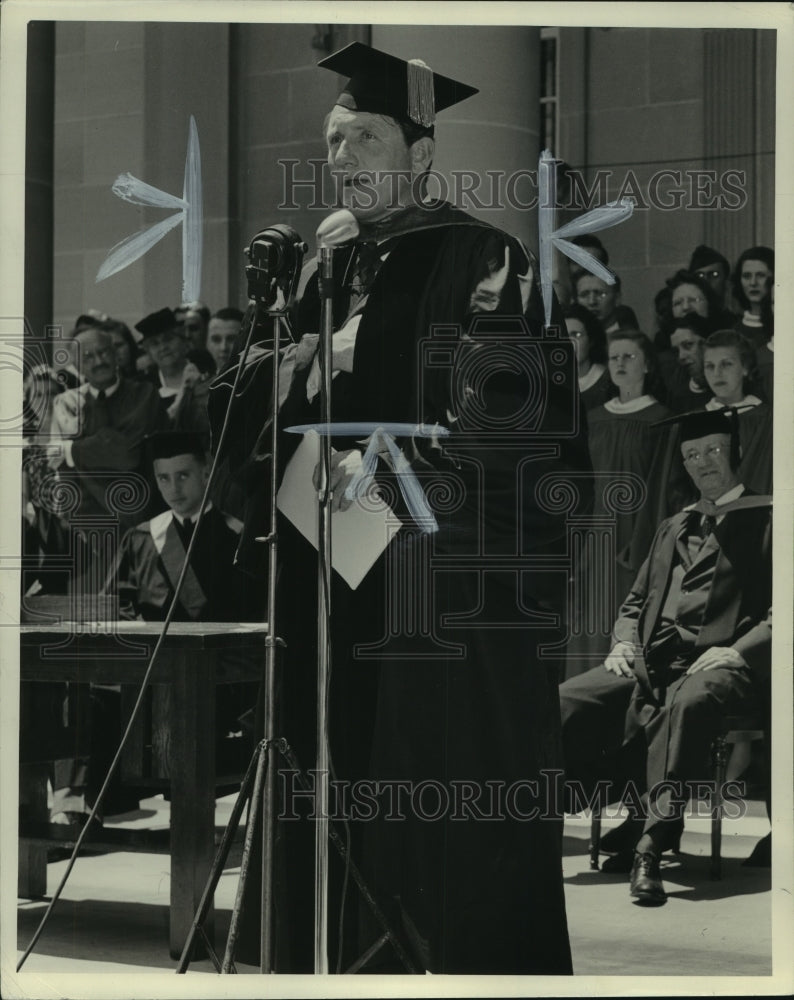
324	570
258	784
275	258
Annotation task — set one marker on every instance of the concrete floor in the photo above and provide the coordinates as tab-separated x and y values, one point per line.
113	915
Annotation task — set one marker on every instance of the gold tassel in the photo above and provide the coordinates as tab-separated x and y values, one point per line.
421	98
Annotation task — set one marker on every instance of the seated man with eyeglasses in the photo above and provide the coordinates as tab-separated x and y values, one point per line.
97	429
691	645
604	303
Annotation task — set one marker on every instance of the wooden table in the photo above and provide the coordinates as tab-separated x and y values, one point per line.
191	663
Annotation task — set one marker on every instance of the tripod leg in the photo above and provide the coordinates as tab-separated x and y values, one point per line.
253	812
220	859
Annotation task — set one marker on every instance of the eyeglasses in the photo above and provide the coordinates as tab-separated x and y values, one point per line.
592	294
705	275
693	457
690	300
617	358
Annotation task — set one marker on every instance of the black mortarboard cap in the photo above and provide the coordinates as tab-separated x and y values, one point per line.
700	423
384	84
167	444
702	256
162	321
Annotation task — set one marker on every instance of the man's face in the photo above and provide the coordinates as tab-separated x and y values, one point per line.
597	296
688	298
167	350
687	345
97	358
716	275
372	161
181	481
708	462
756	279
221	336
193	328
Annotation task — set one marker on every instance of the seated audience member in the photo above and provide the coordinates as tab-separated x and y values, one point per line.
624	315
603	301
224	328
588	337
152	553
710	266
689	293
125	347
623	436
730	369
163	340
686	387
193	318
144	578
753	278
691	645
97	429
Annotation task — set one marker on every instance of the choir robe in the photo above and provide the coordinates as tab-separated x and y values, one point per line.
622	442
466	699
595	388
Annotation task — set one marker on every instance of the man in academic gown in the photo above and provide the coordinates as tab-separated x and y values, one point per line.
439	678
144	578
692	645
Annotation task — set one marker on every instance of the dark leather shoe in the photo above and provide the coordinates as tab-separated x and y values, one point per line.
646	880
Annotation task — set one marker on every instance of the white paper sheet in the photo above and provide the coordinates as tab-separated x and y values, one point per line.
359	536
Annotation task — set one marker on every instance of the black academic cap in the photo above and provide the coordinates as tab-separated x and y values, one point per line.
385	85
702	256
162	321
168	444
700	423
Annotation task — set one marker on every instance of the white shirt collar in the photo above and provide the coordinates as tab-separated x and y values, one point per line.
108	392
594	373
614	405
732	494
715	404
193	517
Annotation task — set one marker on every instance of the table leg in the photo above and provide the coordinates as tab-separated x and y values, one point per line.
192	763
32	874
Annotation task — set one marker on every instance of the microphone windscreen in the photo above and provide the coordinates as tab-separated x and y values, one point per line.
340	227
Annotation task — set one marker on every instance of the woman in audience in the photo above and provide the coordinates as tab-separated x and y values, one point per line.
752	280
623	438
731	371
589	340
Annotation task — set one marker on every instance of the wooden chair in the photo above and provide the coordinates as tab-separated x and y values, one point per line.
737	730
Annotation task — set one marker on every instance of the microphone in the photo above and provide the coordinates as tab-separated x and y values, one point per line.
337	229
274	261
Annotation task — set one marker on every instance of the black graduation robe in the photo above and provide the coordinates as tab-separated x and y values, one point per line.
441	679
